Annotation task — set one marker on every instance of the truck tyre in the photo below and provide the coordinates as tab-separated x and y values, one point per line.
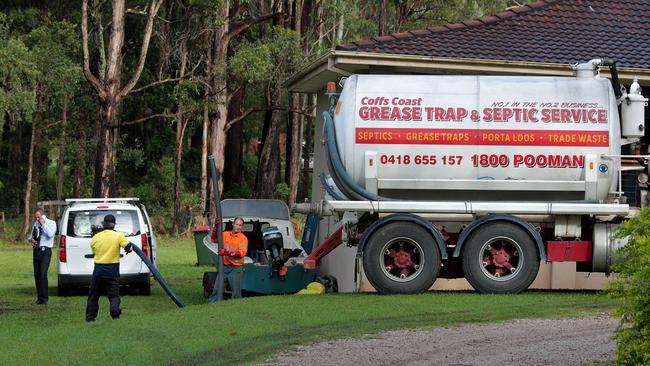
500	258
401	258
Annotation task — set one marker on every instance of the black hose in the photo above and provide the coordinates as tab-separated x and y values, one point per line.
347	193
328	189
614	73
346	183
217	203
158	276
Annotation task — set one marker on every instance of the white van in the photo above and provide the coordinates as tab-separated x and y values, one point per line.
83	218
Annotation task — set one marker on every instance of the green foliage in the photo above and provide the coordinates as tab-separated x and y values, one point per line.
633	287
18	78
245	189
269	57
282	191
156	189
187	94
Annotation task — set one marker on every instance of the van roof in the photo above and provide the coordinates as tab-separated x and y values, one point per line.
73	201
102	206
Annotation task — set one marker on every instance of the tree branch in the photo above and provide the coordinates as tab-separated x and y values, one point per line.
255	110
140	120
158	82
153	9
242	26
92	79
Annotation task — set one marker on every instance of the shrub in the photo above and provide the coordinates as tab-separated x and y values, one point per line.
633	287
281	191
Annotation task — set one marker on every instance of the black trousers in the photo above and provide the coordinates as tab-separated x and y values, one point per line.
97	286
42	258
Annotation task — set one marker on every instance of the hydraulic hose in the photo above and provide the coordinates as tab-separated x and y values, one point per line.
346	183
158	276
328	189
217	203
616	85
347	193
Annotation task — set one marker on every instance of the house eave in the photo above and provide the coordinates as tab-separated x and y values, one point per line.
336	64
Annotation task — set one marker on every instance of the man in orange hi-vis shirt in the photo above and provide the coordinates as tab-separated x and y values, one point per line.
235	246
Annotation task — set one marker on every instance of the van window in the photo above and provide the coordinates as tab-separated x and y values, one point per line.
83	224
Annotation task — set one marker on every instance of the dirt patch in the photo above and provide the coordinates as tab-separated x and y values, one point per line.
574	341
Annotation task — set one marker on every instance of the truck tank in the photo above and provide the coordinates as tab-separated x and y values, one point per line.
438	137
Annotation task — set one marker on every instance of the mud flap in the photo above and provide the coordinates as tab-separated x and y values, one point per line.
158	277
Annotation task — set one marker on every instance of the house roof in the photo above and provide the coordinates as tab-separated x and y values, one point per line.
541	38
563	31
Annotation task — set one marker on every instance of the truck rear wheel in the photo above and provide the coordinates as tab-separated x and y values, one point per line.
500	258
401	258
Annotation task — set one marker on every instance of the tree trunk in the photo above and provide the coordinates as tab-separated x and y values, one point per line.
234	144
294	129
109	89
293	156
307	151
165	47
104	164
78	172
269	157
383	18
315	20
205	131
204	155
60	166
220	45
30	181
181	124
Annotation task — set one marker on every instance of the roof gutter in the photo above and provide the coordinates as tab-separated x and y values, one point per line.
344	63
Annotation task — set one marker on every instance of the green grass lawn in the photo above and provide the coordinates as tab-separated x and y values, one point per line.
152	330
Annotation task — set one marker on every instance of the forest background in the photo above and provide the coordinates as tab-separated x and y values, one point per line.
104	98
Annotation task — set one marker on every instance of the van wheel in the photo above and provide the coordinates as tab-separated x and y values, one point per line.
500	258
401	258
145	289
62	288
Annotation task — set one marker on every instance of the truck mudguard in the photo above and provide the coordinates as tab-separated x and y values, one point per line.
437	236
499	217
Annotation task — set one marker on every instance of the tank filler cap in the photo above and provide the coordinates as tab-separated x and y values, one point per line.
588	69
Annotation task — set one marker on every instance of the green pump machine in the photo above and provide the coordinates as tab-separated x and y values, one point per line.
274	263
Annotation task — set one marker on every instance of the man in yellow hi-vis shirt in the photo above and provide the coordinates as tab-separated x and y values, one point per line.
106	247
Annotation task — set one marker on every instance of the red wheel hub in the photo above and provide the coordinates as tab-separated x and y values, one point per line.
500	259
401	260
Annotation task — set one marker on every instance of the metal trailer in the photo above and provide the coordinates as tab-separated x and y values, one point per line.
274	261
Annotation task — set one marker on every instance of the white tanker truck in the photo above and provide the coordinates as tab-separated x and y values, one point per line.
480	177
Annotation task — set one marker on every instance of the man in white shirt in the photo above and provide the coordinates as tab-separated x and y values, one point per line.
42	239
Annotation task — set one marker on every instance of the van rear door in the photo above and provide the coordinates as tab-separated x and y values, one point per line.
82	225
